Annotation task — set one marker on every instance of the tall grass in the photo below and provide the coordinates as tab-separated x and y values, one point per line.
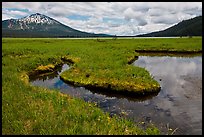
33	110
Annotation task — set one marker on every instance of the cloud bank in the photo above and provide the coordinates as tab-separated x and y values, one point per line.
116	18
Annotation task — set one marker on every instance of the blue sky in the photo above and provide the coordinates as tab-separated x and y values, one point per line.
117	18
78	17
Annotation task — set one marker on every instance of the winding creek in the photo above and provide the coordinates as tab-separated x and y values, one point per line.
177	106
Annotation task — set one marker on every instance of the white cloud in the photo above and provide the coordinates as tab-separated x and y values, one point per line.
138	17
7	14
22	5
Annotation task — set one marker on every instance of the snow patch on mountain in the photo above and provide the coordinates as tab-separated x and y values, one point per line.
37	19
31	22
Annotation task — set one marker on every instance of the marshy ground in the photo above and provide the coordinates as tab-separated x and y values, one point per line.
33	110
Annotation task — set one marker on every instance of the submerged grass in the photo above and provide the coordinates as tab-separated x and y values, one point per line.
33	110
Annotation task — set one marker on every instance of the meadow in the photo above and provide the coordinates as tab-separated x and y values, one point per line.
102	63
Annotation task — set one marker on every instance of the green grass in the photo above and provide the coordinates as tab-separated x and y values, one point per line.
33	110
97	63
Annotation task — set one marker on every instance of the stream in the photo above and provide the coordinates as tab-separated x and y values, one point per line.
178	106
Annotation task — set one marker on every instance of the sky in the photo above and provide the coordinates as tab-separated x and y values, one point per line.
115	18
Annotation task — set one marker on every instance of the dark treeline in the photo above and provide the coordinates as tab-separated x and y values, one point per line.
191	27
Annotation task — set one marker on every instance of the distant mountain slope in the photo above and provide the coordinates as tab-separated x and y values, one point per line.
38	25
190	27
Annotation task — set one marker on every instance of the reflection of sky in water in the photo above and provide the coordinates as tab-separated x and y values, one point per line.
171	65
181	88
170	70
178	75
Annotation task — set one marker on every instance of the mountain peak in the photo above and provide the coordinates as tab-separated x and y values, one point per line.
37	18
37	14
39	25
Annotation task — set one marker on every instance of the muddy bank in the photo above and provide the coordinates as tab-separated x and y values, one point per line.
51	69
131	60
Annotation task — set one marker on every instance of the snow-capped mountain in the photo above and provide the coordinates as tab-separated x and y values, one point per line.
38	19
31	22
39	25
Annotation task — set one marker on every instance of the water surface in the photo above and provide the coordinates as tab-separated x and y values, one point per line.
178	105
181	90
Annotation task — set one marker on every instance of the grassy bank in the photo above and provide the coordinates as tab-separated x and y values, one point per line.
96	67
33	110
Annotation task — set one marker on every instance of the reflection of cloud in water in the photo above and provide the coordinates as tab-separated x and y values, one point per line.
178	77
169	65
168	70
173	74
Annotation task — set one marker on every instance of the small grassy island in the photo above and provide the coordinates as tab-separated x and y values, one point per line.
96	63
